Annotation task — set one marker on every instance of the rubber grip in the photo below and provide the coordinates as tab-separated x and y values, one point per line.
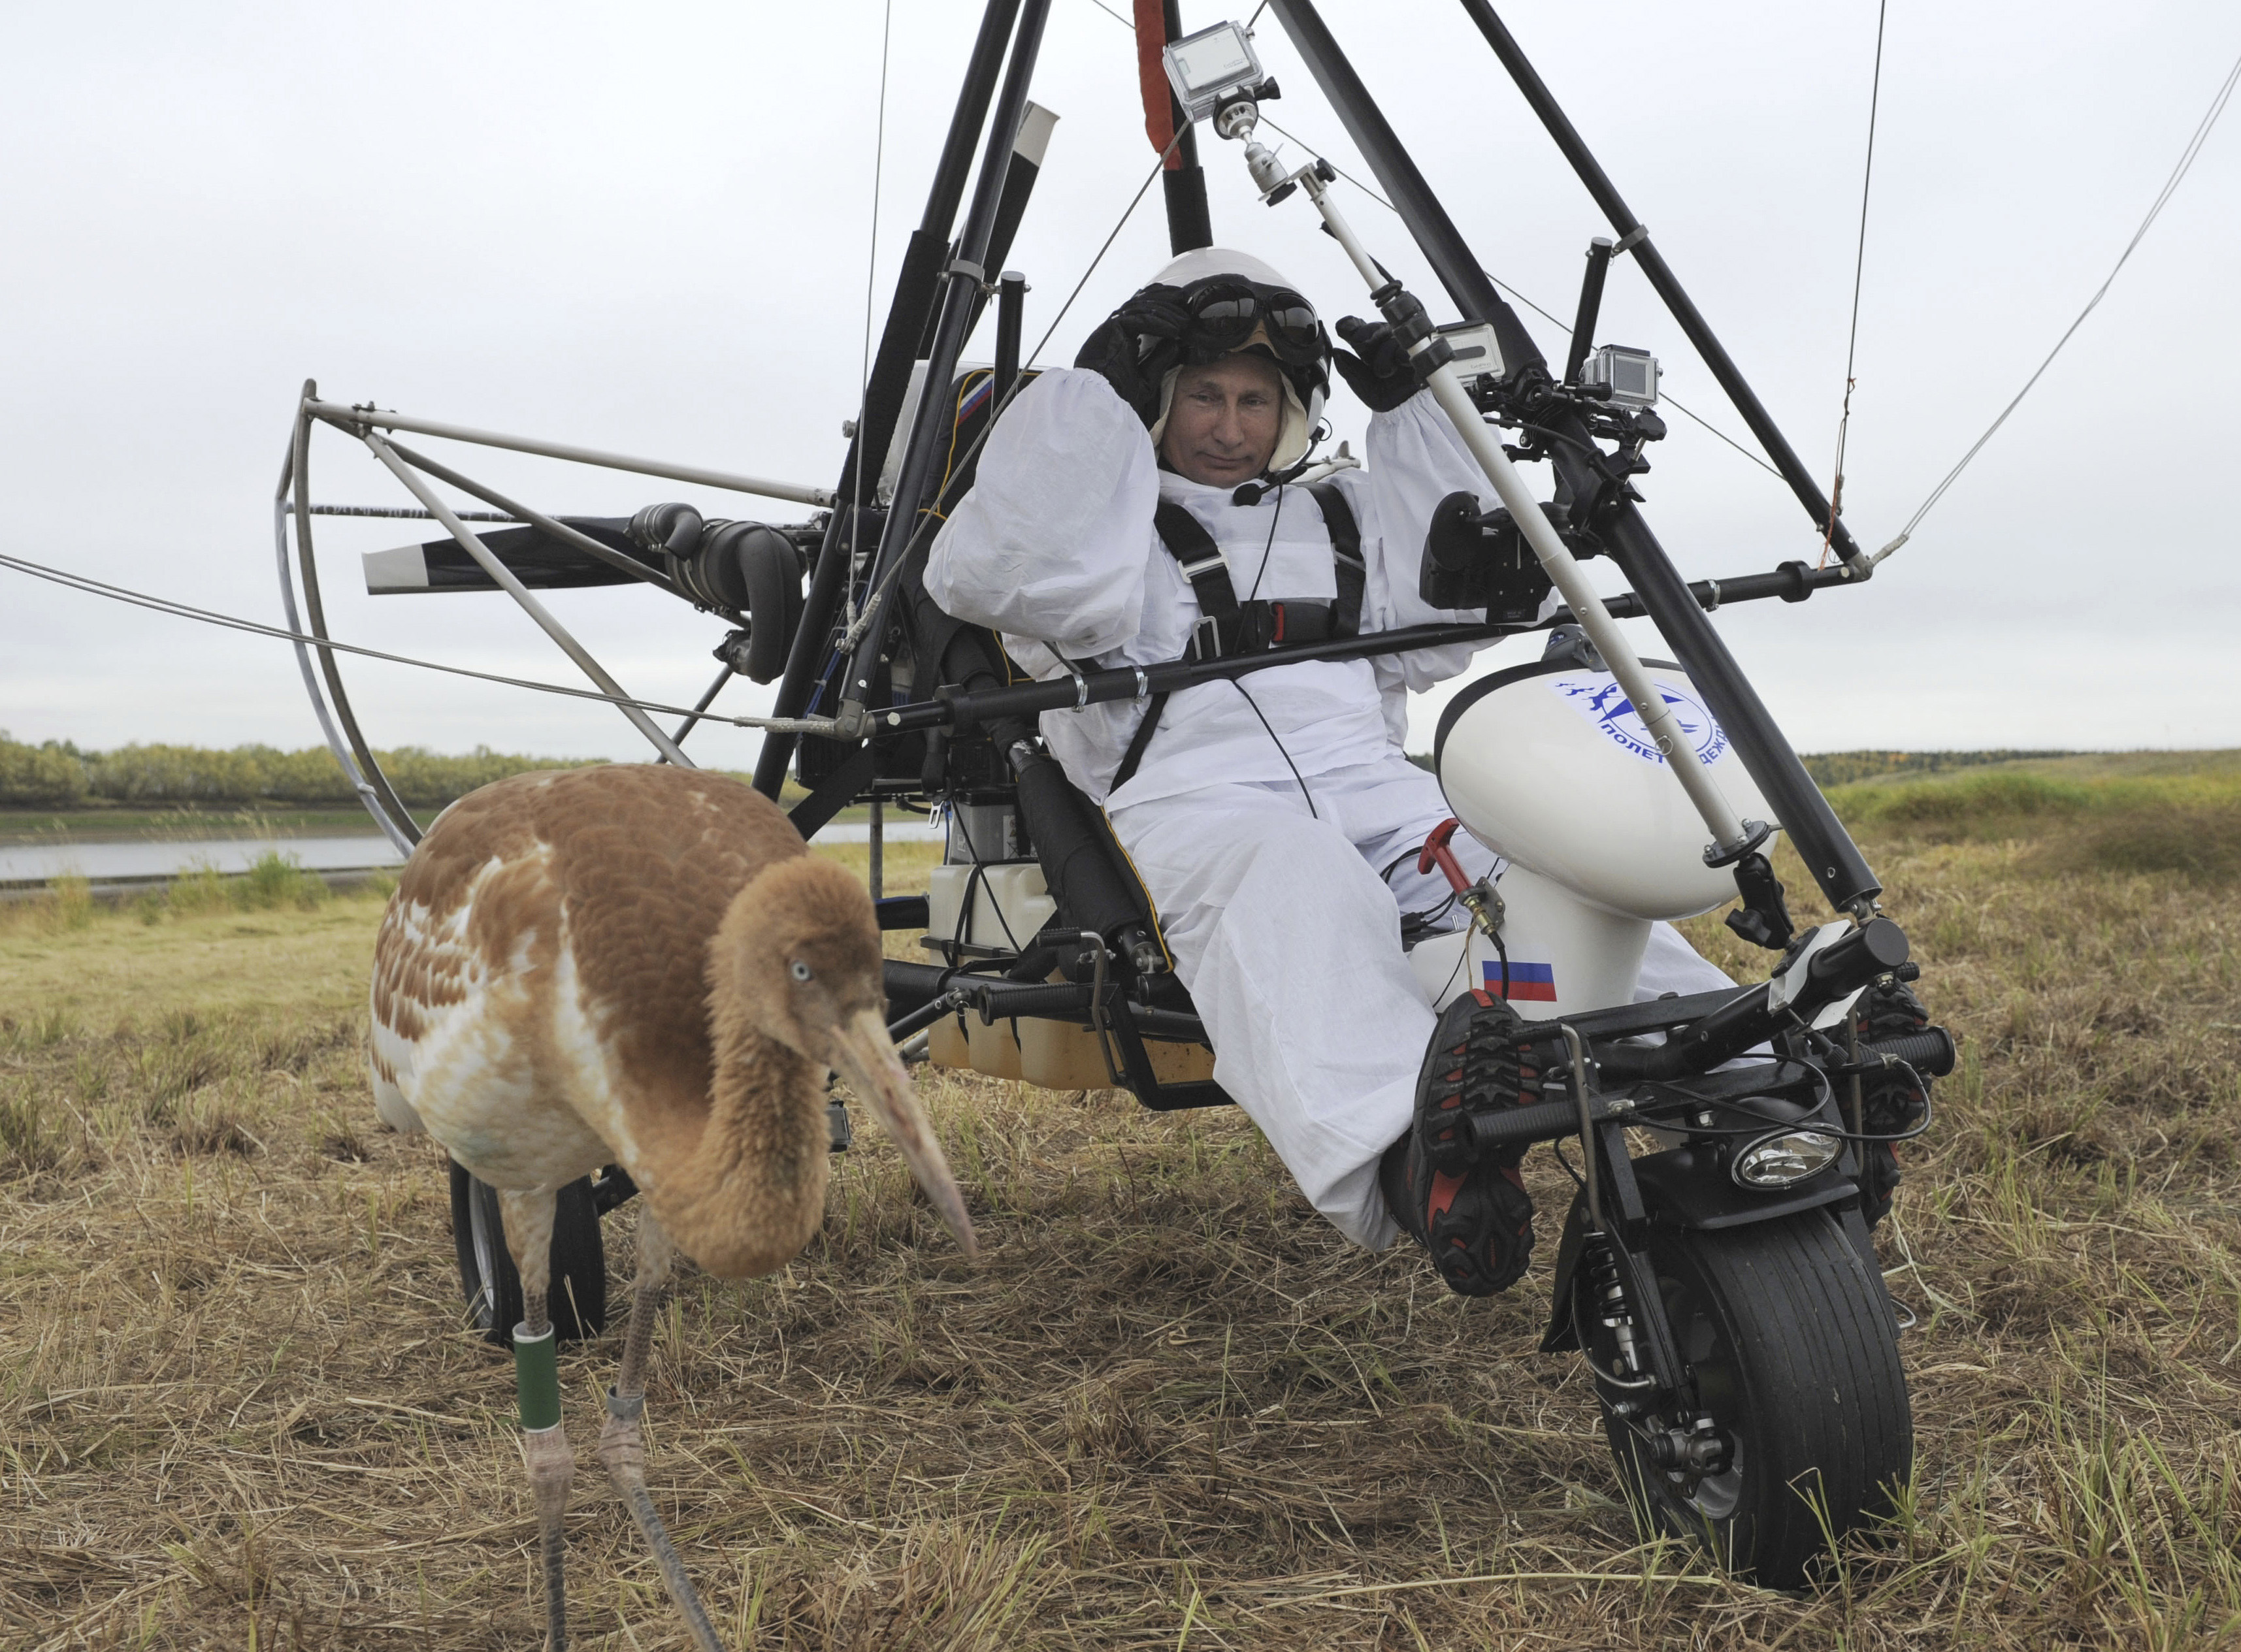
1542	1121
1930	1053
537	1377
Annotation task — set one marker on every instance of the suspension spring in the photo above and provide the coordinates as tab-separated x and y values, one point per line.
1610	1306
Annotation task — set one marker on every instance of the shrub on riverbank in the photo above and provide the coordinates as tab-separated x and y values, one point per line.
59	774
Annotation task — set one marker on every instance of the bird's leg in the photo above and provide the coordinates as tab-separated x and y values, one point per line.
622	1441
528	1219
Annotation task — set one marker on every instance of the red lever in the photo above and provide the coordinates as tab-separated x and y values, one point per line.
1436	854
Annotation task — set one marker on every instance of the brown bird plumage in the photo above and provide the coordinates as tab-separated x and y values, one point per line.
646	966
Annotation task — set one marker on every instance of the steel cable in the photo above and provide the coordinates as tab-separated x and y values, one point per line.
185	610
2187	157
1859	267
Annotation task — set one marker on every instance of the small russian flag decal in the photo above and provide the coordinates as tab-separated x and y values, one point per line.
1529	983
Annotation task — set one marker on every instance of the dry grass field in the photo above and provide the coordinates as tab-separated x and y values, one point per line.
1169	1408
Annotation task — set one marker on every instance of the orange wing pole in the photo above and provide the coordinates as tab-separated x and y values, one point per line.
1152	75
1188	225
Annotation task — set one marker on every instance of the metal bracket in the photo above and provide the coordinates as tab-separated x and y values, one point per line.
1754	834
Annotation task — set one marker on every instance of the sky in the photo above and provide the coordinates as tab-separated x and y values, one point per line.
652	228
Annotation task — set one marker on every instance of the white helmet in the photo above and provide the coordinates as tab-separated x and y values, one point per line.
1208	303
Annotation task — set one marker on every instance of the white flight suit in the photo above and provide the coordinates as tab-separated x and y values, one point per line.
1264	810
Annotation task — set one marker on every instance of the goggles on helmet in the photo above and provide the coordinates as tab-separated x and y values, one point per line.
1161	328
1225	310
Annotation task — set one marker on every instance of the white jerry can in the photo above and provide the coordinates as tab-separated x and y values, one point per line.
1002	905
1550	766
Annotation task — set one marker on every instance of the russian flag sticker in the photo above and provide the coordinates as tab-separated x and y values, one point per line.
1529	983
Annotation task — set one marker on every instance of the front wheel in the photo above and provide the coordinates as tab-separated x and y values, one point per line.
1804	1425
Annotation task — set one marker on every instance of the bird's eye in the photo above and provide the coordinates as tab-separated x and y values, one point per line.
800	970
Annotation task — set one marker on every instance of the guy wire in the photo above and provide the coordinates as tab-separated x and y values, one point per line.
874	599
210	617
2163	198
871	280
1859	266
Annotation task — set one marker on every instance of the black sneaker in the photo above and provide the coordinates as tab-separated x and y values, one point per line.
1477	1228
1890	1103
1469	1210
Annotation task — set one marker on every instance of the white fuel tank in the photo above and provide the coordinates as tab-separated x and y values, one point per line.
1565	957
1550	765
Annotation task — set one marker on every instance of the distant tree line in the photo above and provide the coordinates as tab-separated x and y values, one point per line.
1843	768
58	774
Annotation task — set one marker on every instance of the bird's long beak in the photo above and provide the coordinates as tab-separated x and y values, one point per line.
865	1057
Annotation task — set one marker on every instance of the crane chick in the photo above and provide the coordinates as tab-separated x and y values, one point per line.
640	966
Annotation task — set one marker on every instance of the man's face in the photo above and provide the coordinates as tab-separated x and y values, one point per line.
1223	421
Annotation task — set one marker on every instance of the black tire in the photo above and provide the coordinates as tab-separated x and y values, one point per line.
1793	1341
577	1296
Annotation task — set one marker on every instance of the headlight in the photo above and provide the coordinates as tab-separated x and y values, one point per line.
1784	1158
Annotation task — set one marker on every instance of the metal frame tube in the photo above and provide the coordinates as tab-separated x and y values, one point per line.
1011	307
1727	829
1591	307
1435	233
550	526
701	706
400	818
1660	276
899	534
890	379
979	707
367	797
513	588
356	420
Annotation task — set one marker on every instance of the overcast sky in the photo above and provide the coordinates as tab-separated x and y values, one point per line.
648	227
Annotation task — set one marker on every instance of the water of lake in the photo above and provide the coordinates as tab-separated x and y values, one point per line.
25	863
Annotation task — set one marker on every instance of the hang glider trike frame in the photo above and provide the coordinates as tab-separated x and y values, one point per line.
881	699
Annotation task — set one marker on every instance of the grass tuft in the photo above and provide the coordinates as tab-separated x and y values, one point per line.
239	1405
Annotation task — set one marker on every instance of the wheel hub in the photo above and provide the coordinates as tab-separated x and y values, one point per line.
1687	1454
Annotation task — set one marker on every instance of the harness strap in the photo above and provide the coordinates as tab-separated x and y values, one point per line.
1345	555
1132	758
1201	561
1227	627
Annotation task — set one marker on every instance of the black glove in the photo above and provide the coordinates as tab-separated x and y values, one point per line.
1135	345
1379	371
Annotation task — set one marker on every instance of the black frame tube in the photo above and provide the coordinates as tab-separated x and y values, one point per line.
1011	309
1792	582
1467	284
1190	225
890	380
958	304
1661	277
1590	308
1827	849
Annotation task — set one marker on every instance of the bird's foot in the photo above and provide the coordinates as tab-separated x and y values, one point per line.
622	1441
622	1449
551	1470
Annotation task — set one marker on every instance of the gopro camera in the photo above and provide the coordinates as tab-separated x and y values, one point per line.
1477	352
1206	68
1629	377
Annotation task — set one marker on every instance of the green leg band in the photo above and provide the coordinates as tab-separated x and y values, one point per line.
537	1377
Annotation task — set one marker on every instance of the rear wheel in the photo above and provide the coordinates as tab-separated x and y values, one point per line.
1791	1340
577	1298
